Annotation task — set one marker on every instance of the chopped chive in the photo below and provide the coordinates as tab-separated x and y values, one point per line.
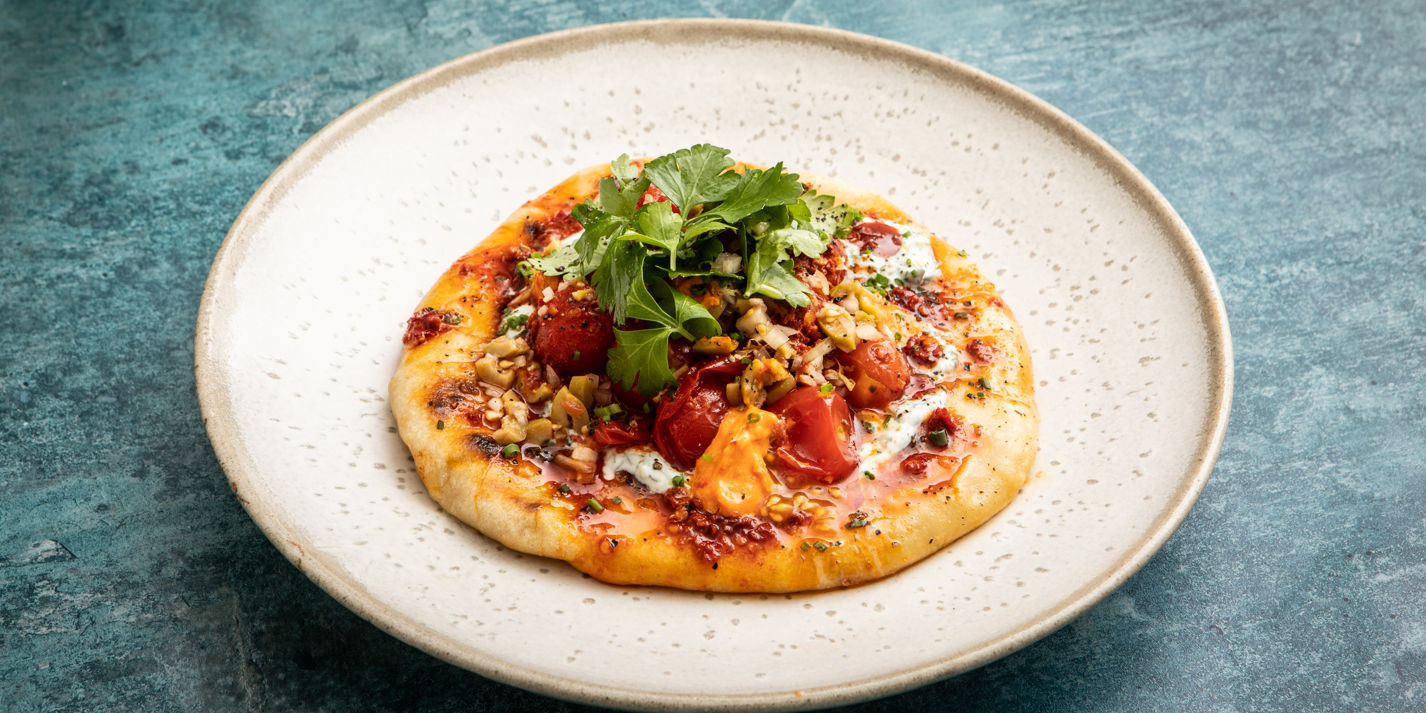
961	315
707	456
754	418
592	505
677	481
576	355
746	360
510	451
440	425
984	383
962	253
938	437
868	475
858	521
564	489
825	389
821	546
806	547
616	500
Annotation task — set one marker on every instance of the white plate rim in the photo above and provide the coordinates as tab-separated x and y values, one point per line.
215	398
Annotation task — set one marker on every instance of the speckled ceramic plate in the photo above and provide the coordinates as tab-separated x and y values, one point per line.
301	321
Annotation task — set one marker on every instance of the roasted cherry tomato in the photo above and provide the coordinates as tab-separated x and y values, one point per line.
573	336
883	240
880	373
818	447
687	422
636	431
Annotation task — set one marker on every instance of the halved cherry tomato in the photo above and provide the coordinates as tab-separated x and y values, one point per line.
818	448
573	336
880	372
883	240
687	422
638	430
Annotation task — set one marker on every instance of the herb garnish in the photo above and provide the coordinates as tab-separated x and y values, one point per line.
760	218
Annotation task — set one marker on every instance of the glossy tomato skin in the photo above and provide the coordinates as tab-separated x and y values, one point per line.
818	447
572	336
688	421
880	372
635	431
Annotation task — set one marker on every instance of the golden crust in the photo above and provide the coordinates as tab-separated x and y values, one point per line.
516	503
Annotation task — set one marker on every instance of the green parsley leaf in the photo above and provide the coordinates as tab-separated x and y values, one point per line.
640	358
564	261
776	282
623	170
690	319
619	194
756	189
619	285
825	215
660	227
693	176
802	242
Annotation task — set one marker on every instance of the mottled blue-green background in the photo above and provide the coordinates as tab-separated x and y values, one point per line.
1289	135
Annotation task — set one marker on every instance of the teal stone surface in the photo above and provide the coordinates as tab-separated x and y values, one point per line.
1289	136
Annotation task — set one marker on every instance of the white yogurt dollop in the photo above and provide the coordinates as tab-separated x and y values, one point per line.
645	464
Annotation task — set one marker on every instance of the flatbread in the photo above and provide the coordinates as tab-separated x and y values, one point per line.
880	519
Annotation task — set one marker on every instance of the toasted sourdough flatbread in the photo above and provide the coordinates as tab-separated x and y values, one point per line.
864	528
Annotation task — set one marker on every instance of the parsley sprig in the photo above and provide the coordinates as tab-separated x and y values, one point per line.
631	254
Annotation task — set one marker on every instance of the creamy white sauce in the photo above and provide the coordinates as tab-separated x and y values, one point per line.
886	441
915	255
646	465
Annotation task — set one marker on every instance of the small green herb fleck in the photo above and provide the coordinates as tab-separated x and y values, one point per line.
825	389
938	438
746	360
514	322
451	318
592	505
677	481
564	489
576	355
984	383
880	283
616	500
806	547
821	546
961	315
707	456
510	451
858	520
962	253
754	418
868	475
440	425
